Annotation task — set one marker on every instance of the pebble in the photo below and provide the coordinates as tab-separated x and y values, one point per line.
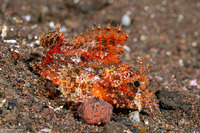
142	129
168	53
146	122
143	38
27	84
28	127
193	82
37	42
181	122
52	25
180	18
134	117
11	104
194	44
126	48
126	122
46	130
2	103
25	91
113	127
126	20
63	29
4	31
135	130
4	119
12	115
10	41
168	99
181	63
95	111
27	18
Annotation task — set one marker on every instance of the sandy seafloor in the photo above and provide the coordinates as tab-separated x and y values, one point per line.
166	32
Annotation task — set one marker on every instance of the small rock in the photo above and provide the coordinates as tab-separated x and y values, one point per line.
181	63
27	17
25	91
146	122
46	130
181	122
134	117
4	31
142	129
27	84
194	44
4	119
126	20
2	103
12	115
28	127
143	38
127	122
52	25
135	130
193	82
113	127
168	100
95	111
11	104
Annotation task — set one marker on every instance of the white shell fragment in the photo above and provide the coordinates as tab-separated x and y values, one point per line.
126	20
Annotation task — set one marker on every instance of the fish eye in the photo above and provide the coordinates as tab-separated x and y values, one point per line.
136	83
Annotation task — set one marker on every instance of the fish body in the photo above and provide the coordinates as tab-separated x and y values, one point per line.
88	66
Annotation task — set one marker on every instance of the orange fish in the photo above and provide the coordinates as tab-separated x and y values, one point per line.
88	66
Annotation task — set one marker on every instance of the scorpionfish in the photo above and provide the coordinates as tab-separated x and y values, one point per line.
88	66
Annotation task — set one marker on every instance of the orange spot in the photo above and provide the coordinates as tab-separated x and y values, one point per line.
16	55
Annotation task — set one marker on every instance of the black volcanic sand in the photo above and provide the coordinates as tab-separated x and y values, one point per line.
165	32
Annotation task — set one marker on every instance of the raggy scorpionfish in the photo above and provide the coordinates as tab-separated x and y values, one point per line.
88	66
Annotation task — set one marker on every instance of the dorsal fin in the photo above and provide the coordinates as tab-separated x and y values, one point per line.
101	45
52	38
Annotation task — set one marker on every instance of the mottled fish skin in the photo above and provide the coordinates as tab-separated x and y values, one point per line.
88	66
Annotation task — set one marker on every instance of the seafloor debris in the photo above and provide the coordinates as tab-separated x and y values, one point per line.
4	31
95	111
88	66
